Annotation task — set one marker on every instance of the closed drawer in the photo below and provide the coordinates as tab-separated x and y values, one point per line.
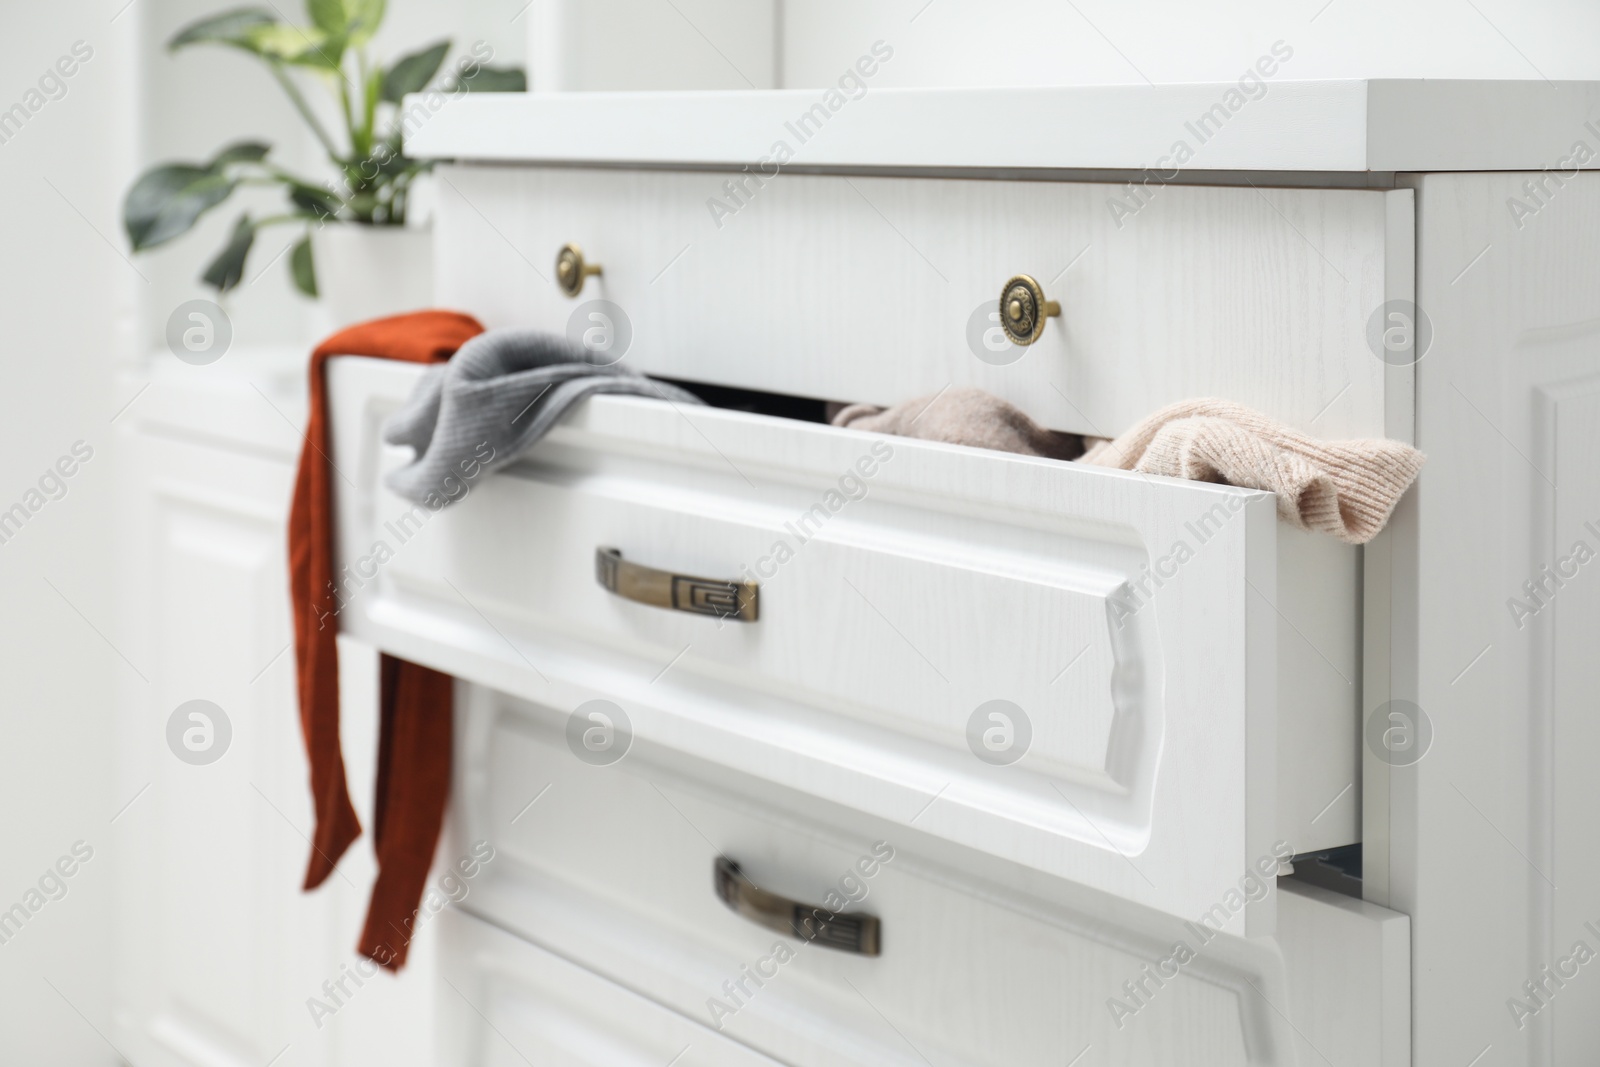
878	289
505	1002
1073	669
981	962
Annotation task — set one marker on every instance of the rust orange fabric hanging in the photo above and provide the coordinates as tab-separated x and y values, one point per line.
413	777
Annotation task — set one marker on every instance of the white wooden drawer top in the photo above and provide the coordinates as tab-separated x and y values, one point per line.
879	290
1356	126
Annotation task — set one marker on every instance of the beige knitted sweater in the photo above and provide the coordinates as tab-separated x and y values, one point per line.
1344	488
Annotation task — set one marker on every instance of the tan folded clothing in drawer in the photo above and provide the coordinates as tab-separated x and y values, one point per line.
963	415
1344	488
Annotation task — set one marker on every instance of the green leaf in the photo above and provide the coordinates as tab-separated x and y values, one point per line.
412	73
166	201
301	268
227	270
365	16
229	27
393	166
371	93
240	152
304	46
315	201
328	16
496	80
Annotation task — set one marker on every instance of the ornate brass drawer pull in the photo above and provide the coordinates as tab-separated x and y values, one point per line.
1023	310
737	601
860	934
571	270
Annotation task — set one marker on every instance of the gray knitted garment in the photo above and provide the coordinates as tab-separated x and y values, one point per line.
496	397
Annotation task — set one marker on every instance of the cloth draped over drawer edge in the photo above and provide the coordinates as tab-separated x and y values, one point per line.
414	732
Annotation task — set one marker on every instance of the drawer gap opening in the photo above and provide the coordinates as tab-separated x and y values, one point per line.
1338	869
779	405
807	409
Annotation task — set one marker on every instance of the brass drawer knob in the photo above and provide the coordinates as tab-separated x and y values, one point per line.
571	270
1023	310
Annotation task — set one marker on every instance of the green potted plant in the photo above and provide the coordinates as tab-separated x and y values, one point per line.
358	217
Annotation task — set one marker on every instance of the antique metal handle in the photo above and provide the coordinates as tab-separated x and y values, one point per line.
571	270
861	934
1024	309
736	601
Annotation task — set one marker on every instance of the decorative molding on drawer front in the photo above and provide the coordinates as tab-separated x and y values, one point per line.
1130	618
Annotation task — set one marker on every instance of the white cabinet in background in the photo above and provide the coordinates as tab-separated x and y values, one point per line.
219	950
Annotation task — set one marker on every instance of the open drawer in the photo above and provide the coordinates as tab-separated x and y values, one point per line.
1073	669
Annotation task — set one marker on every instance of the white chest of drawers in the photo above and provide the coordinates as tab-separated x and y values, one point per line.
1113	894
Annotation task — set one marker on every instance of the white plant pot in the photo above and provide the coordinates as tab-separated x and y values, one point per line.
368	272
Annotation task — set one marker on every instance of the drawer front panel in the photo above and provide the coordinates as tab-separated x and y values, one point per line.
1125	623
505	1002
613	867
881	615
879	289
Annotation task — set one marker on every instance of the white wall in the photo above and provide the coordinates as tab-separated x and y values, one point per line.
76	309
1051	42
578	45
66	304
697	44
